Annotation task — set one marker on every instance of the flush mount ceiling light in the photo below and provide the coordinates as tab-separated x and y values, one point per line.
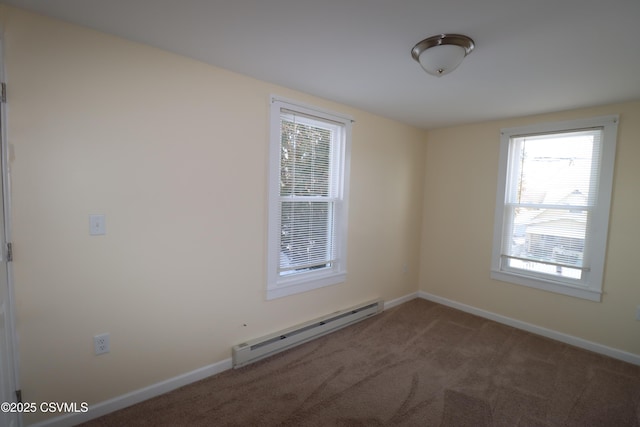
441	54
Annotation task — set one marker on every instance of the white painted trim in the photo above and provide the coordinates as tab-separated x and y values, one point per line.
589	286
323	112
549	333
13	355
398	301
154	390
280	286
136	396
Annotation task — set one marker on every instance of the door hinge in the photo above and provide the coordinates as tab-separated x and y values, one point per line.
9	252
3	96
19	396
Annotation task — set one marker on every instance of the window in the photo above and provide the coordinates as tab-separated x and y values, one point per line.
552	207
308	183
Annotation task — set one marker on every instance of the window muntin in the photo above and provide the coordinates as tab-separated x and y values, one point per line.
553	205
307	206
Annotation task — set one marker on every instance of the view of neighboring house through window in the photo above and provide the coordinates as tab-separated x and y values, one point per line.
307	198
553	205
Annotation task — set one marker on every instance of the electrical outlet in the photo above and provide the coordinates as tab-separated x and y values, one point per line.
101	343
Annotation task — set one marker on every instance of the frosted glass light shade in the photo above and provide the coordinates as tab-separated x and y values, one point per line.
441	54
442	59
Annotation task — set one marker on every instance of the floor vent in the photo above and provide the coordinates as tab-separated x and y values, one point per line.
254	350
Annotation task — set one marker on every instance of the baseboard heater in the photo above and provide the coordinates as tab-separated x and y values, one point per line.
254	350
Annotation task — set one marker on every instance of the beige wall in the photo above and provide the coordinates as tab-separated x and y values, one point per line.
460	193
174	153
155	142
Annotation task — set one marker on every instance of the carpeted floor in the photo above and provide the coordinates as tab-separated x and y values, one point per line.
418	364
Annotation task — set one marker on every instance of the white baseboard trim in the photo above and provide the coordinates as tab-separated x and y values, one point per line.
154	390
398	301
136	396
549	333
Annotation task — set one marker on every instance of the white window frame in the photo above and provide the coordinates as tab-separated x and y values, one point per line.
590	286
283	285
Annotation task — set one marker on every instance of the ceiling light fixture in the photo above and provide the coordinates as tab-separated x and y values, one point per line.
441	54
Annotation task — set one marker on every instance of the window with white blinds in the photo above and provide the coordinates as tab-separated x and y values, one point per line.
307	202
553	205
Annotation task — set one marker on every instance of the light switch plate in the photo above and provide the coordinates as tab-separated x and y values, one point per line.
96	225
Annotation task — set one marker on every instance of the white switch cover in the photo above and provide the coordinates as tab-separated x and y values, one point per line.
96	225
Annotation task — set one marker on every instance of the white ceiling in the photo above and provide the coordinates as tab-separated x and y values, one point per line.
531	56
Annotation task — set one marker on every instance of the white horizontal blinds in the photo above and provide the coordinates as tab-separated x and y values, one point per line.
551	193
308	181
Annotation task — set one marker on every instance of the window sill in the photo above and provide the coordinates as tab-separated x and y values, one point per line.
303	284
547	285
